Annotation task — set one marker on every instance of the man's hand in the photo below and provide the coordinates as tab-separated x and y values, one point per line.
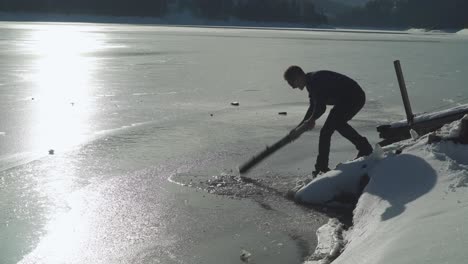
307	125
310	124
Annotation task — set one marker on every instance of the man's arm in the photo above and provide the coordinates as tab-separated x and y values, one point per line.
315	111
318	111
309	112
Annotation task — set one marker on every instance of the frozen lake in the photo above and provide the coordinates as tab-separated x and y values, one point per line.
125	107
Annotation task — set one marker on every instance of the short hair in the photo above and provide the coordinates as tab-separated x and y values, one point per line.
292	72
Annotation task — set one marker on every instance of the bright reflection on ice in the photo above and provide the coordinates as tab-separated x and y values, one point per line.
62	84
66	234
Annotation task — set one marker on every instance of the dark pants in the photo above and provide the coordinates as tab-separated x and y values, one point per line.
337	120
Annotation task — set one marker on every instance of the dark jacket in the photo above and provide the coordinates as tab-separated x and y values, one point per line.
330	88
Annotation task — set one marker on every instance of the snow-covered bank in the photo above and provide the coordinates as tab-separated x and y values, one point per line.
463	32
414	208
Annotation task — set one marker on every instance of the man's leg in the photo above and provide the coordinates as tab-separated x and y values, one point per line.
324	151
333	121
347	131
338	120
362	144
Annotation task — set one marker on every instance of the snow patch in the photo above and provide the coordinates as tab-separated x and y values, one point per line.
417	30
427	31
455	152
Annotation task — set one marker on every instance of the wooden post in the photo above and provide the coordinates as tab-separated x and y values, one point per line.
463	137
404	93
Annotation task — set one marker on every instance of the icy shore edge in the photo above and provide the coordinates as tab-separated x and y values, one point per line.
413	209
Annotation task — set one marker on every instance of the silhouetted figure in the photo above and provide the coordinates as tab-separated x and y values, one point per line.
330	88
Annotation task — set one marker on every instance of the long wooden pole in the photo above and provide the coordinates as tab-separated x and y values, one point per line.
404	93
269	150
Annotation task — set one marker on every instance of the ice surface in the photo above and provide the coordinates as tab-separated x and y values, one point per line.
176	84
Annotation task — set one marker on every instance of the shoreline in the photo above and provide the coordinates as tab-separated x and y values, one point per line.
178	21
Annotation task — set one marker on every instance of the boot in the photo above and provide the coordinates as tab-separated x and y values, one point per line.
317	171
365	148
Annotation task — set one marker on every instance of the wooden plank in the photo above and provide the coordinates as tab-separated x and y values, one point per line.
394	134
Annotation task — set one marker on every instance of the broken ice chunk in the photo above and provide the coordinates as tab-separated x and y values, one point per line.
414	134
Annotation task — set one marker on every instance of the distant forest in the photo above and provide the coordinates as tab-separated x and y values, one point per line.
295	11
431	14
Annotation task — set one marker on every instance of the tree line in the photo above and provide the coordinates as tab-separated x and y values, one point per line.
376	13
431	14
94	7
294	11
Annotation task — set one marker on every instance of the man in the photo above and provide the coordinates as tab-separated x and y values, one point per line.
329	88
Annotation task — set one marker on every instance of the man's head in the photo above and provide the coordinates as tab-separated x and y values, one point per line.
295	77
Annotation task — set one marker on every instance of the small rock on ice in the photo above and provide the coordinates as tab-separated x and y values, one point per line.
245	255
235	103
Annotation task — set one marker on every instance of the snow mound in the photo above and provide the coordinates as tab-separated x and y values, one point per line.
341	185
414	208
